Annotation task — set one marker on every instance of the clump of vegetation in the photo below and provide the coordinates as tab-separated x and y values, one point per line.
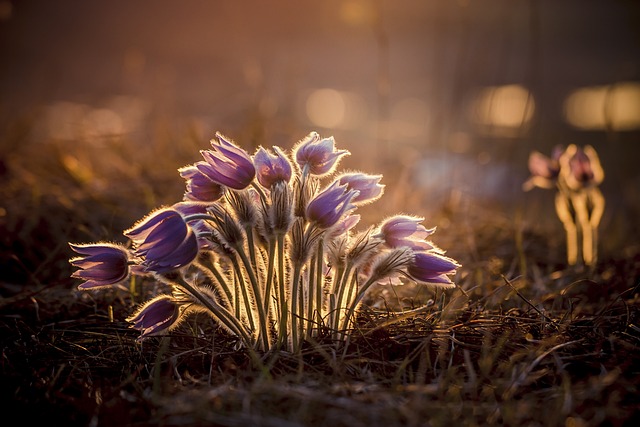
265	249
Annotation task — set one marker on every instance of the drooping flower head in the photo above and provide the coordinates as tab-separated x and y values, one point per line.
100	264
271	168
227	164
431	267
368	186
405	230
326	208
200	187
544	170
164	241
156	315
581	167
319	156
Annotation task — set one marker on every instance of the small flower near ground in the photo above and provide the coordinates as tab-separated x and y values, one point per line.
576	173
100	264
155	316
430	267
164	241
405	230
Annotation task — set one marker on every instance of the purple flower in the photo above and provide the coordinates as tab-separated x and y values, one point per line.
430	267
404	230
200	187
227	164
272	168
164	240
319	156
369	186
581	167
326	208
544	170
100	264
155	316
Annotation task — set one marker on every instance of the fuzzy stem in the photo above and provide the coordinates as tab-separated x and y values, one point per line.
245	295
283	306
262	319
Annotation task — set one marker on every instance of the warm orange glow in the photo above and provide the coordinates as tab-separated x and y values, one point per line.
409	118
615	107
503	110
330	108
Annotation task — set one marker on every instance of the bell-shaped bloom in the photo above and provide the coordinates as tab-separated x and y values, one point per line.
156	315
431	267
227	164
100	264
544	170
164	241
581	167
405	230
319	156
271	168
368	186
200	188
327	207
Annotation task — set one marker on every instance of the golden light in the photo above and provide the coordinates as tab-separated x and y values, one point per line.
409	118
615	107
330	108
503	110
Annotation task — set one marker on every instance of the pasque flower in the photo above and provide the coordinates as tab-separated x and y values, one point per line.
164	241
544	170
271	168
330	205
319	156
431	267
581	167
368	186
200	187
100	264
405	230
155	316
227	164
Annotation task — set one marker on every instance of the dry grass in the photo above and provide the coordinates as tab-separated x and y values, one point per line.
524	340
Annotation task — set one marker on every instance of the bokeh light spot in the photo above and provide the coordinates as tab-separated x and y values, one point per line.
615	107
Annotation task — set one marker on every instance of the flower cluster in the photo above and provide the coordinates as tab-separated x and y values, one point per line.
266	245
576	173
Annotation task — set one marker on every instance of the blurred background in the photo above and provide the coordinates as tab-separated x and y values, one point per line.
102	101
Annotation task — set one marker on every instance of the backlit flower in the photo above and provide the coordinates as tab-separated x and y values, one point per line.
544	170
227	164
200	187
430	267
405	230
319	156
368	186
326	208
100	264
164	240
581	167
271	168
155	316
